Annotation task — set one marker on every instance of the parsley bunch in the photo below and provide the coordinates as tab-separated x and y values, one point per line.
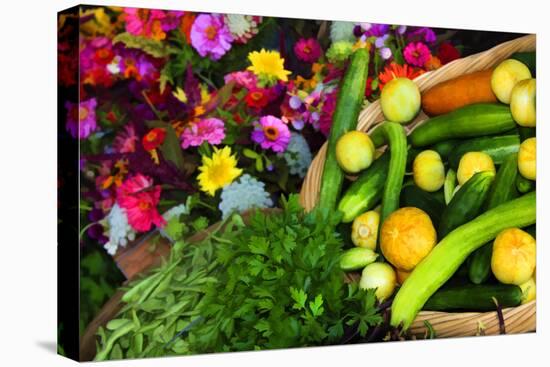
280	286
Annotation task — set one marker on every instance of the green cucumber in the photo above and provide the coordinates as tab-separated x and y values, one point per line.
348	104
532	230
365	192
474	298
502	190
524	185
526	132
445	148
498	147
449	185
445	259
466	203
394	135
411	195
467	122
529	59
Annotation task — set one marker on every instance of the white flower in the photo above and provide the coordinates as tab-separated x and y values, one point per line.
242	27
342	31
297	155
118	229
243	194
175	212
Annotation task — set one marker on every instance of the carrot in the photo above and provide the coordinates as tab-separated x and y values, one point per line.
458	92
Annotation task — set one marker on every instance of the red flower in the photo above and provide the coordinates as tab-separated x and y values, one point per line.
153	138
257	98
368	87
140	198
447	53
394	70
104	56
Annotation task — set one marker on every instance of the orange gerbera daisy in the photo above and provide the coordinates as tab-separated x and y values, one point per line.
394	70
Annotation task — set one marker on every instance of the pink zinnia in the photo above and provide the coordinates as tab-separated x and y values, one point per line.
417	54
125	140
307	50
139	198
271	133
211	130
81	118
327	111
151	23
245	79
210	36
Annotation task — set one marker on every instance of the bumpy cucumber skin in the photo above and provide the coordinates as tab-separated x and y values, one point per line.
443	261
418	198
365	192
467	122
474	298
396	138
348	105
498	147
466	203
502	190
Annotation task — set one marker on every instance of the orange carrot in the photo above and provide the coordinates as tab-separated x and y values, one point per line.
458	92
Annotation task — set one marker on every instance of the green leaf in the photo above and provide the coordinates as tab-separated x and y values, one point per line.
317	306
300	297
259	245
150	46
249	153
117	324
170	148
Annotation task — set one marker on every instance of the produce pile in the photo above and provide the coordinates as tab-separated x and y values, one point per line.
442	219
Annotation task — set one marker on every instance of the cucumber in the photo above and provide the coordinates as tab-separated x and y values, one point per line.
445	148
365	192
532	230
411	195
394	135
502	190
526	132
498	147
449	185
529	59
444	260
474	298
467	122
524	185
466	203
348	104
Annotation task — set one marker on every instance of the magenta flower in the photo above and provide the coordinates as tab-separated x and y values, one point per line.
271	133
210	36
81	119
151	23
211	130
307	50
245	79
417	54
125	140
325	120
139	199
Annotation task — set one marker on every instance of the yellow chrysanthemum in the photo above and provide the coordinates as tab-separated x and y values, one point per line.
218	171
268	66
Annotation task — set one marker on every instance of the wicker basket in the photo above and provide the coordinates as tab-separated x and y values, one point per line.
518	319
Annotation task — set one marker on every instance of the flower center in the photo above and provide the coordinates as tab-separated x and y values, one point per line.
144	205
257	95
211	32
271	133
82	113
143	14
307	49
151	136
102	53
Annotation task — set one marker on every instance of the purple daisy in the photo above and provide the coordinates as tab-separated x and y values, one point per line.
210	36
81	119
271	133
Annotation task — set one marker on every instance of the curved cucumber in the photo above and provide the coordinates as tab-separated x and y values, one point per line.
444	260
365	192
449	185
498	147
502	190
466	203
411	195
467	122
394	135
474	298
348	105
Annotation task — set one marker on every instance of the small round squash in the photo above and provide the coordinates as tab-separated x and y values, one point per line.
428	171
354	151
364	230
400	100
527	159
523	103
381	277
407	236
505	76
472	163
514	256
529	290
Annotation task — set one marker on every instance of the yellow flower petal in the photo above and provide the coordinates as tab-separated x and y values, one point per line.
218	171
